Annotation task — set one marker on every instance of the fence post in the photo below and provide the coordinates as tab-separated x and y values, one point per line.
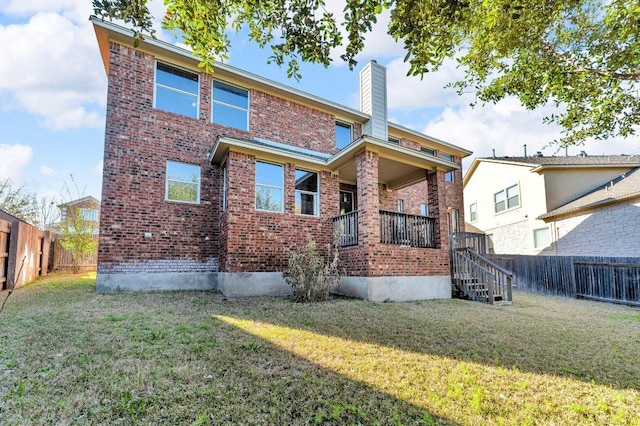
574	287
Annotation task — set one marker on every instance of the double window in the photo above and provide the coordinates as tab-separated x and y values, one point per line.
507	199
90	215
307	193
344	134
182	182
230	106
269	187
176	90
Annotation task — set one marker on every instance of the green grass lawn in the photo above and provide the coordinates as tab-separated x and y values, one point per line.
71	356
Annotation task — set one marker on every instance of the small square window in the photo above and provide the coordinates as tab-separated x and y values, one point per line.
183	182
541	238
344	134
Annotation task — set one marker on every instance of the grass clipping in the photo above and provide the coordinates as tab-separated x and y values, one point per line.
310	276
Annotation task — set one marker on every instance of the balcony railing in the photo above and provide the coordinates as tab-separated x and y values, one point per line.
345	228
407	229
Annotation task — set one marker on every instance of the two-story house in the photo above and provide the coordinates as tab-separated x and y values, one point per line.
523	204
212	180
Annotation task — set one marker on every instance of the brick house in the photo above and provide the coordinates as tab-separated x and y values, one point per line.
211	181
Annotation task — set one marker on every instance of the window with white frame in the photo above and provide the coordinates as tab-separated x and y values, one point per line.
541	238
269	187
400	206
449	176
394	141
182	182
507	199
473	212
424	209
307	199
90	215
344	134
230	106
176	90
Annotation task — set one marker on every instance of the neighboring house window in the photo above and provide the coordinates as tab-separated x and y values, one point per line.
176	90
343	134
541	238
307	200
428	150
269	187
473	212
507	198
424	209
449	176
90	215
394	141
230	106
225	186
183	182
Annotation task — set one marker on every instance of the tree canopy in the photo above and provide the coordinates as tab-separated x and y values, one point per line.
17	201
581	55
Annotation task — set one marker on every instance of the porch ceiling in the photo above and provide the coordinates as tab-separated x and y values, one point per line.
398	166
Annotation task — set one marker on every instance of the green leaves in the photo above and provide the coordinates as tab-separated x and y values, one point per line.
581	55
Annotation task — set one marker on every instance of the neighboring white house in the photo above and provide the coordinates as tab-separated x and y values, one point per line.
509	199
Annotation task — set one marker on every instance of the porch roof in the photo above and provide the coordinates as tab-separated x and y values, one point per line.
398	166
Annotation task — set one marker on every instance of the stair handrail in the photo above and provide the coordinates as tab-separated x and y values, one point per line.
489	267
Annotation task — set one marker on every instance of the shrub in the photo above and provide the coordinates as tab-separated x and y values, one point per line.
308	274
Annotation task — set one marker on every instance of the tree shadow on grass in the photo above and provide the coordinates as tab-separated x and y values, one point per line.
536	334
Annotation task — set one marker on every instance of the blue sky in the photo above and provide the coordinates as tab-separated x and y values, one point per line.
53	94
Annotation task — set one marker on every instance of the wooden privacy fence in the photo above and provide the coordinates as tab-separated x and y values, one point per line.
24	253
610	279
62	260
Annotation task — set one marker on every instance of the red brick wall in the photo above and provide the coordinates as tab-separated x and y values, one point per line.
264	240
186	237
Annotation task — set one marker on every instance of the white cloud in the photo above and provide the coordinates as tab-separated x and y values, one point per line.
97	170
406	92
14	159
51	68
48	171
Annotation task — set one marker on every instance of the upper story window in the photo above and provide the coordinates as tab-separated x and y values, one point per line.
449	176
176	90
393	140
269	187
344	134
307	200
90	215
424	209
183	182
473	212
507	198
230	106
428	150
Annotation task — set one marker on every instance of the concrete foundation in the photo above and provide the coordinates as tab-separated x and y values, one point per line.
247	284
396	289
163	281
243	284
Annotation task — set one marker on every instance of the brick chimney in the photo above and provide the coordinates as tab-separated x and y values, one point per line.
373	99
